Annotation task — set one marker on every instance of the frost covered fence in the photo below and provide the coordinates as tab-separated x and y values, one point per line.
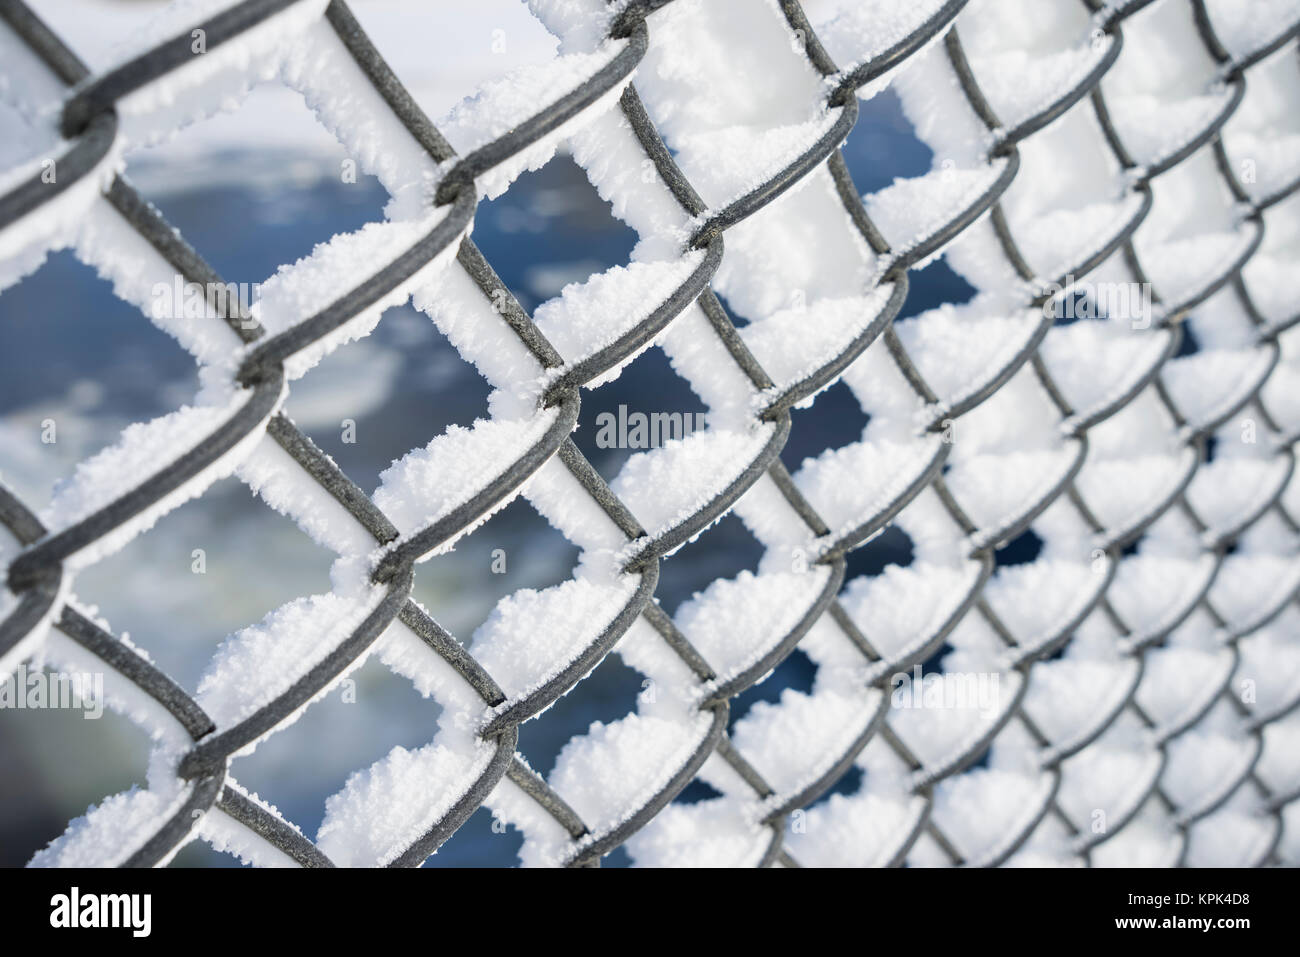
1147	665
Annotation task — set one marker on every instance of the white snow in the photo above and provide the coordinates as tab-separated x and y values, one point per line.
299	291
108	833
983	809
734	621
794	740
215	80
533	635
428	484
793	343
262	661
665	486
143	450
1242	35
910	210
850	485
707	834
589	316
383	809
502	104
856	32
615	768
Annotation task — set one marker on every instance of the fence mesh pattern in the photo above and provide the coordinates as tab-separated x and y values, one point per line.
1146	662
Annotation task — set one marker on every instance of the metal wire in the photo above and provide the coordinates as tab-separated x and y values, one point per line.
37	575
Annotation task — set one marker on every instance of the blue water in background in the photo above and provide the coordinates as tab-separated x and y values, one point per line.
63	325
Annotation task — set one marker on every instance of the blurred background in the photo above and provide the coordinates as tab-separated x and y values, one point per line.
257	188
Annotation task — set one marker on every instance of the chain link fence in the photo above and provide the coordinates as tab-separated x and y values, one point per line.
1155	768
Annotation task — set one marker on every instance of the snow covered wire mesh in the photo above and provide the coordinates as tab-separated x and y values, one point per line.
1146	663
